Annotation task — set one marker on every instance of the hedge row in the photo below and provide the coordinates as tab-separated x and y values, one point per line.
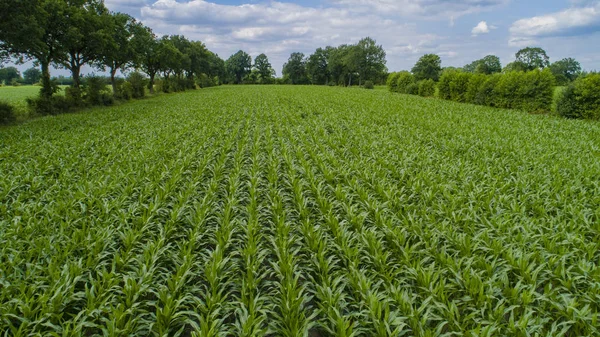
404	82
530	91
581	99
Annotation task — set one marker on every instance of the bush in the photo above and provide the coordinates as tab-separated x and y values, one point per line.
96	92
412	89
369	85
475	84
138	84
486	95
427	88
392	82
7	113
53	105
581	99
537	91
124	90
453	85
508	90
404	80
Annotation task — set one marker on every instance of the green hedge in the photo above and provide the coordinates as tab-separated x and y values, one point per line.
426	88
581	99
530	91
405	83
392	82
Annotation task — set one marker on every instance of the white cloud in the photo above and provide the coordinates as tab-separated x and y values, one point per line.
425	8
481	28
278	28
569	22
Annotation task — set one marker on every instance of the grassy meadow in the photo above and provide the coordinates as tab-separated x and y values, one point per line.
295	211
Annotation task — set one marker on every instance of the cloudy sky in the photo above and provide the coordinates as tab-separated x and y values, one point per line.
458	30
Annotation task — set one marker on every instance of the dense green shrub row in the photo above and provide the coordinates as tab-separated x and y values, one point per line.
581	99
95	91
405	83
530	91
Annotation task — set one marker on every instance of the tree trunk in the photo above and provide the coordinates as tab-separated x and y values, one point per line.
113	81
75	71
151	83
46	91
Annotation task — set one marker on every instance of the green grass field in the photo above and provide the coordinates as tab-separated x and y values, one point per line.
287	211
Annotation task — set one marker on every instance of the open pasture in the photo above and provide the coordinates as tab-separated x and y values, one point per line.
289	211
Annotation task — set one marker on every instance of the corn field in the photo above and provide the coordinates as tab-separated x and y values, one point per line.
299	211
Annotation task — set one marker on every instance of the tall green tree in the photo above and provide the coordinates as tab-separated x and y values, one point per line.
487	65
84	36
295	69
317	66
533	58
239	65
337	64
429	66
148	48
264	69
118	49
35	29
566	70
32	75
8	74
368	59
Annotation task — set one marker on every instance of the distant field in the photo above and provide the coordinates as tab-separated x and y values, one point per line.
17	96
284	211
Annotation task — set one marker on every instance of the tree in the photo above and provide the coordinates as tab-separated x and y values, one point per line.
427	67
317	66
148	48
40	35
84	36
264	69
368	59
118	49
239	65
32	75
7	75
515	66
337	65
566	70
295	69
487	65
533	58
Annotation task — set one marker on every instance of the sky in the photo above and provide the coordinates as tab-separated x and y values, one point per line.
460	31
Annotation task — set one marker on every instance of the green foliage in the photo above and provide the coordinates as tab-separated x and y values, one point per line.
8	75
264	69
295	69
404	80
299	211
426	88
53	105
138	84
412	89
487	65
453	85
238	66
476	83
7	113
369	85
96	92
32	76
429	66
533	58
487	94
581	99
566	70
392	82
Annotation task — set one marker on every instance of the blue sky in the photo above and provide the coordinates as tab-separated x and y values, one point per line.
459	31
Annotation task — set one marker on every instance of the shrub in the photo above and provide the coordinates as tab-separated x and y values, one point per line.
124	90
96	92
537	91
412	89
392	82
369	85
427	88
581	99
453	85
7	113
138	84
475	84
74	97
508	90
53	105
486	95
405	79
